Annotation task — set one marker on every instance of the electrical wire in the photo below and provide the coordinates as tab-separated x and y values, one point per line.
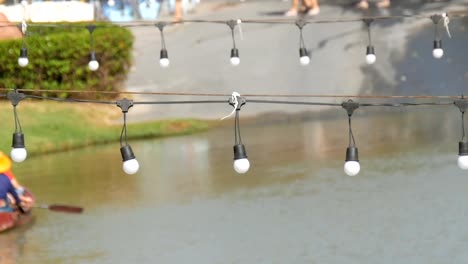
125	24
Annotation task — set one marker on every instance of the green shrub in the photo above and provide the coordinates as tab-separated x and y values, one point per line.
59	56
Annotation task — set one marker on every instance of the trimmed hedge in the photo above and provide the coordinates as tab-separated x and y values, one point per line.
59	56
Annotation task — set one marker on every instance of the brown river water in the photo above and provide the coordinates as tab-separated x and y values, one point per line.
295	205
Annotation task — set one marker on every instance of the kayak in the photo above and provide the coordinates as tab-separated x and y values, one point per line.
10	220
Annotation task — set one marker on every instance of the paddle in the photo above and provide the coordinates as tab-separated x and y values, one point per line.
60	208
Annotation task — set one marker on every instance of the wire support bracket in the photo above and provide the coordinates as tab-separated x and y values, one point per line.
462	104
15	97
237	102
124	104
160	25
436	18
350	106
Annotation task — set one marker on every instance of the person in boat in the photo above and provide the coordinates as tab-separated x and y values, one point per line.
6	187
5	169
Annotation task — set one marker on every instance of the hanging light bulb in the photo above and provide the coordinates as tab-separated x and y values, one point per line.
241	163
18	152
110	3
93	64
23	60
130	164
438	52
351	166
164	59
235	60
304	58
463	155
463	144
370	55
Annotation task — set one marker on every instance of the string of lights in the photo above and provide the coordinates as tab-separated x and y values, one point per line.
241	163
304	54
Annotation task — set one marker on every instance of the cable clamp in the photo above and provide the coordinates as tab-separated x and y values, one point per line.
237	102
15	97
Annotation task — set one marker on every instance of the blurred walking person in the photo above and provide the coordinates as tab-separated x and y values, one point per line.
309	6
364	4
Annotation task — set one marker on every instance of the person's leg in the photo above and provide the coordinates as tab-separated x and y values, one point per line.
178	10
363	4
383	4
314	7
293	10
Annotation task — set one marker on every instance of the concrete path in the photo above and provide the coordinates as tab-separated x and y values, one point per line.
199	55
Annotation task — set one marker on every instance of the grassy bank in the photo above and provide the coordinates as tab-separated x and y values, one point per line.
52	127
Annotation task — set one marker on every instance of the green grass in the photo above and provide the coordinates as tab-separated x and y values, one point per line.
53	127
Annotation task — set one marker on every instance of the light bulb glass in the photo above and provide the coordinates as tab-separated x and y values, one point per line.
371	58
235	61
463	162
23	61
24	2
164	62
18	154
241	165
352	168
437	53
304	60
93	65
131	166
111	3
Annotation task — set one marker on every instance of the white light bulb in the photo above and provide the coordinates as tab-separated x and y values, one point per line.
304	60
371	58
241	165
463	162
352	168
437	53
24	2
235	61
131	166
93	65
110	2
164	62
23	62
18	154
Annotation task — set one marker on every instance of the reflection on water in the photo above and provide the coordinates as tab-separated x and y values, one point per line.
295	205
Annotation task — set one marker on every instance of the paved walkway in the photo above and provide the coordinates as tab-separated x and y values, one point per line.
199	55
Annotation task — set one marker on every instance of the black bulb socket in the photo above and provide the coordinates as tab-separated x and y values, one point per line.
23	52
92	56
234	53
303	52
437	44
352	154
239	152
127	153
463	148
18	140
164	54
370	50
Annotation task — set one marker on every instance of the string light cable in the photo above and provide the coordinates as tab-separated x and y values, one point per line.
241	163
93	65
